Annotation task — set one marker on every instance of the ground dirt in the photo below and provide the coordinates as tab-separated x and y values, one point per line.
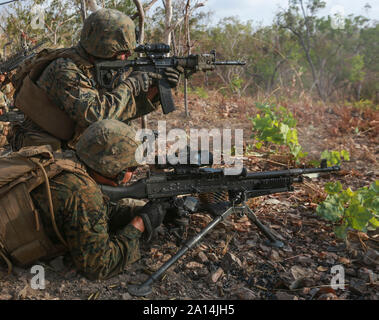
234	261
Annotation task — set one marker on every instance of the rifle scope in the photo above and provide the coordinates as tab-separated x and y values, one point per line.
153	48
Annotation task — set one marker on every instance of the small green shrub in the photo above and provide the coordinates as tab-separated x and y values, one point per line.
365	104
335	157
356	210
201	92
276	125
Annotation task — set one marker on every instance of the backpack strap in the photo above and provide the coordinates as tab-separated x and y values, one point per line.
22	236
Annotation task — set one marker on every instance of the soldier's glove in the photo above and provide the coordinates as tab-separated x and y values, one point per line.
172	75
138	82
152	215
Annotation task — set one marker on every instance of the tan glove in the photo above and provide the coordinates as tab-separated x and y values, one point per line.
172	75
139	81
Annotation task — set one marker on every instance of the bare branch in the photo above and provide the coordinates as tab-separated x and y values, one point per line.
145	9
168	26
141	14
92	5
83	9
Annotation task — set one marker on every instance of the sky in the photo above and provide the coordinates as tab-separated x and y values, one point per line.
264	10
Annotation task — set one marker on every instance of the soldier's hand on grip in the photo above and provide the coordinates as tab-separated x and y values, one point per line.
138	82
173	74
152	215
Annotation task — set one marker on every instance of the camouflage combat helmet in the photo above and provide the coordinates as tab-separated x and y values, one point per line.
107	32
108	147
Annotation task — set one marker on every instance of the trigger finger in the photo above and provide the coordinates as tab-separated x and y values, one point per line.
155	75
180	69
172	75
172	79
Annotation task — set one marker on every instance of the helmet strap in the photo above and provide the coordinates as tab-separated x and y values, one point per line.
101	179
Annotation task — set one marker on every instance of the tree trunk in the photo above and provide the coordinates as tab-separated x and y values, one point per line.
83	9
168	19
188	44
141	39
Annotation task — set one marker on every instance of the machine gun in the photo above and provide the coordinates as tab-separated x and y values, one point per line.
14	61
155	61
225	194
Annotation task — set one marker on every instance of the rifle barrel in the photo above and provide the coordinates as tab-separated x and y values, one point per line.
229	63
290	172
12	116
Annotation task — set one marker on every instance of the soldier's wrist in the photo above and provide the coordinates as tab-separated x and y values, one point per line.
132	86
137	223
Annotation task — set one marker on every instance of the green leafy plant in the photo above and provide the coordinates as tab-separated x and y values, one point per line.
276	125
201	92
335	157
356	210
365	104
236	84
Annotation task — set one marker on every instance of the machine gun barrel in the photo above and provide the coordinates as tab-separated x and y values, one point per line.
229	63
290	172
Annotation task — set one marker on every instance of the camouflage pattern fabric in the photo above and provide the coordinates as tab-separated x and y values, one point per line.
85	220
3	126
108	147
77	93
107	32
3	102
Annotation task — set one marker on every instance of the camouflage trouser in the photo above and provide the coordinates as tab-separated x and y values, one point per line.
123	213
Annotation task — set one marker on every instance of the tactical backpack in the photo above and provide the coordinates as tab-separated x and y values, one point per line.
22	236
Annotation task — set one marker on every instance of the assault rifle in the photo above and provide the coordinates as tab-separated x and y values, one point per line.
12	116
179	185
14	61
155	60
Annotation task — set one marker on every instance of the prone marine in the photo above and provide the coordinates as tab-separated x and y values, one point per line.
52	204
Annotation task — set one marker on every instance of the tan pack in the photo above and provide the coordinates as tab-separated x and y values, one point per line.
35	102
22	236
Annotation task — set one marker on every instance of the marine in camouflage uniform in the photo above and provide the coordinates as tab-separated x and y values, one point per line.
106	34
102	238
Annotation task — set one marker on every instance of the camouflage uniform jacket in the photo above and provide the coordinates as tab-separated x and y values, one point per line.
76	92
98	248
3	102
